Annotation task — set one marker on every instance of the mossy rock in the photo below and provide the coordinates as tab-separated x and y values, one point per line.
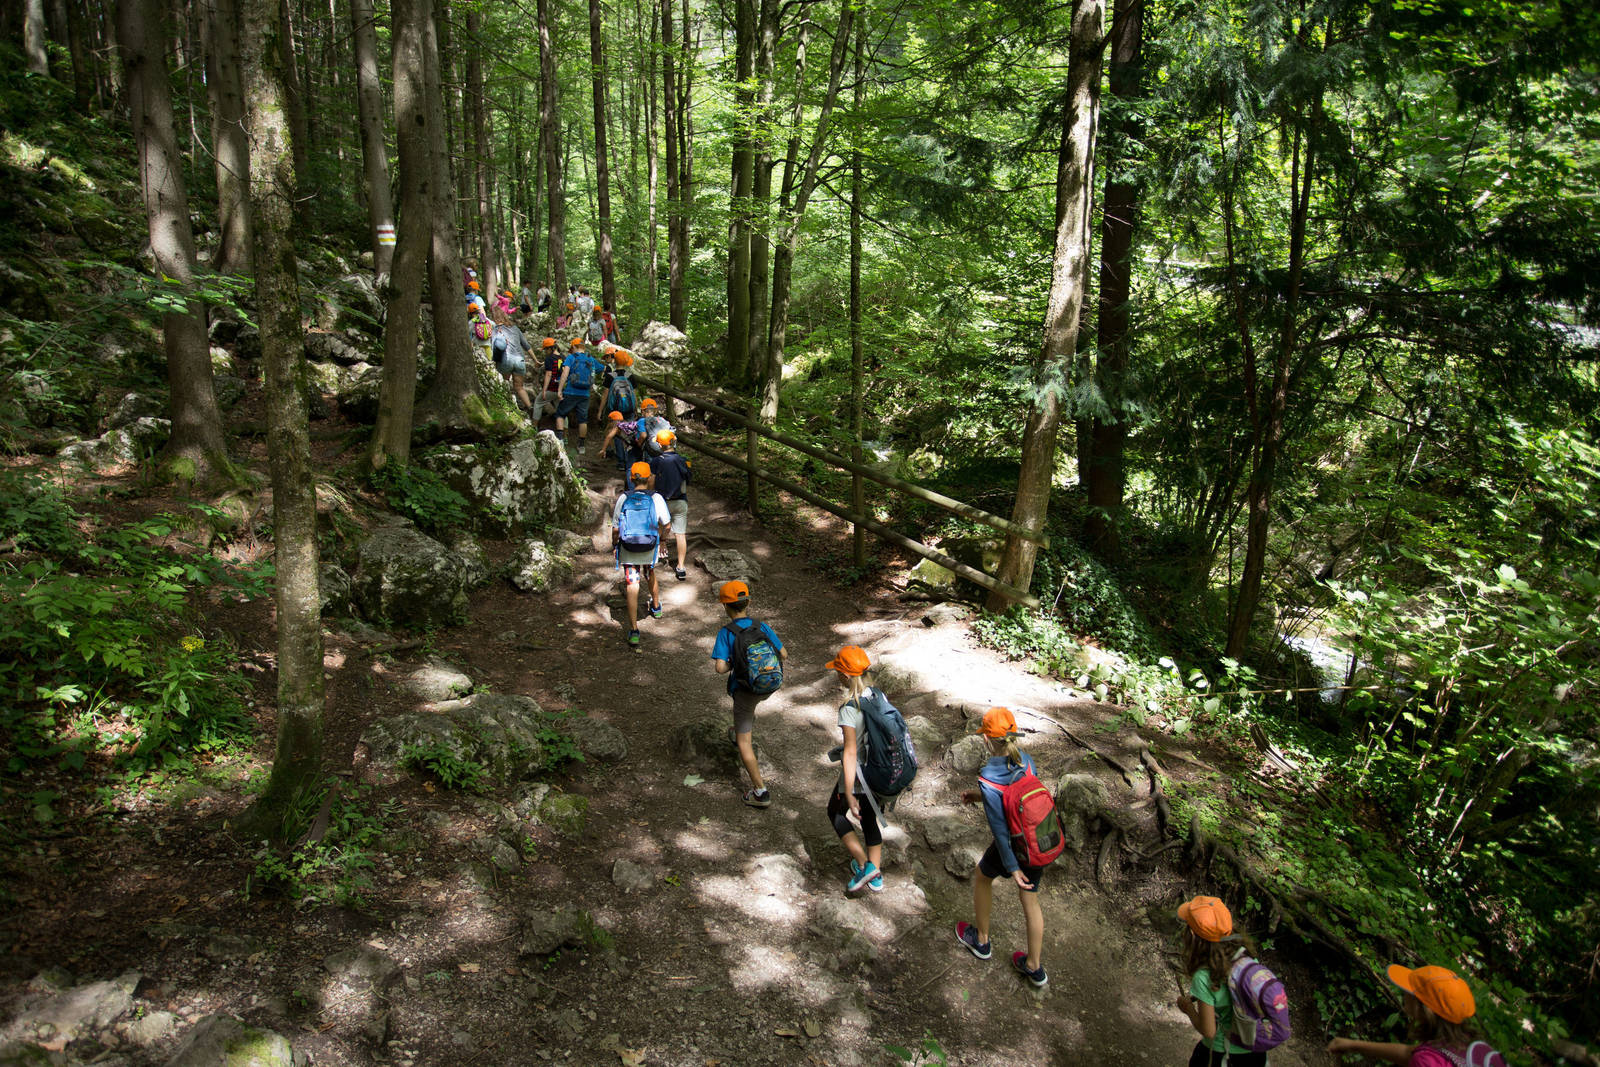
565	813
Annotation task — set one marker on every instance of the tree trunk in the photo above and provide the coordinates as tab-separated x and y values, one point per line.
374	155
1069	277
675	251
858	502
1106	472
783	261
602	172
652	237
456	379
196	450
294	101
550	135
35	40
391	438
761	188
536	210
230	145
686	137
83	77
737	355
297	763
488	274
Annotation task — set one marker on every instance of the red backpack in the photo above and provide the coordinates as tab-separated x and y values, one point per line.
1037	837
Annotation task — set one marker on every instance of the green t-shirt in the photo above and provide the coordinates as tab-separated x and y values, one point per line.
1200	989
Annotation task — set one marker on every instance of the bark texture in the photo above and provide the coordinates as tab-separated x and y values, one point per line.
737	356
602	169
374	156
550	138
230	147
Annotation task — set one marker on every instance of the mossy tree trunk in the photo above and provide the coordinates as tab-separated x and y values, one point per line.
550	141
196	451
230	148
35	41
297	763
676	307
761	188
374	156
488	267
602	169
737	355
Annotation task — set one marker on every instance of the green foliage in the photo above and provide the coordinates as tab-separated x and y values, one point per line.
928	1053
556	746
422	496
442	760
335	869
100	644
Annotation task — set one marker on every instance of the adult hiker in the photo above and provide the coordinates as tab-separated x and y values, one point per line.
1438	1007
1006	764
542	297
638	523
611	326
672	482
577	376
851	806
752	657
509	350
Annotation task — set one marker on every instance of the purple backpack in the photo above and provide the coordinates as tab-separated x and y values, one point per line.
1260	1005
1479	1054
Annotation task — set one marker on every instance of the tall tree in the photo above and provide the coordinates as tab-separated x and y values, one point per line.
391	438
230	145
1106	473
677	308
196	450
761	187
550	139
488	273
602	173
83	75
294	101
783	260
737	356
297	762
35	39
374	156
1069	277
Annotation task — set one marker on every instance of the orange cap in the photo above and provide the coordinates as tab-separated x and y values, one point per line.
664	438
733	592
549	342
571	306
1208	917
615	416
647	402
640	469
577	342
998	723
850	661
623	359
1440	990
473	286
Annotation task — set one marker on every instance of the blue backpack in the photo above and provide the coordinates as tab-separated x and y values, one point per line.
621	397
891	762
756	664
636	525
580	372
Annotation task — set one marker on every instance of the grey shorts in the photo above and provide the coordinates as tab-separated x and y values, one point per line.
744	710
679	510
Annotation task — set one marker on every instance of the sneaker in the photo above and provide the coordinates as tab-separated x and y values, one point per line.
681	573
967	934
758	798
655	610
876	884
1038	978
633	640
861	876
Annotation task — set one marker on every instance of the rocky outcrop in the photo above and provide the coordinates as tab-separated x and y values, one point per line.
136	440
511	488
497	730
660	342
408	578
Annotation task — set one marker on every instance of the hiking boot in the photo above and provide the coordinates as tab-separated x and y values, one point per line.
1038	978
633	640
876	884
681	573
967	934
655	610
862	876
758	798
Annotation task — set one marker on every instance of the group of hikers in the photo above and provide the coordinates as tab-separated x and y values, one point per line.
1236	1005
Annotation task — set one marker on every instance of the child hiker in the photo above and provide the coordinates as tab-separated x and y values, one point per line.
1006	764
1209	944
751	655
638	523
845	805
1437	1005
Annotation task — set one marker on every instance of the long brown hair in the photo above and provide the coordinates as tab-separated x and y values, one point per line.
1214	956
1426	1028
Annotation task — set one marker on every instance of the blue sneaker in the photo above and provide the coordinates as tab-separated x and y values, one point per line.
861	876
655	609
876	884
967	934
1038	978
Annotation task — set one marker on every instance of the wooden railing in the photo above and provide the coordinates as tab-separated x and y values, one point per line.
858	472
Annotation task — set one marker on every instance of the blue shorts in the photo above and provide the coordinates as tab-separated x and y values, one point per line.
574	403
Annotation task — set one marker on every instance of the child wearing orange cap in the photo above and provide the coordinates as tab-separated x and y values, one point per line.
844	805
1209	945
638	522
672	481
1437	1004
726	658
1006	764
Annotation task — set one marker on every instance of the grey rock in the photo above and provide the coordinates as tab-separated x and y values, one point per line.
704	745
504	858
362	967
225	945
224	331
230	389
77	1012
133	407
631	877
151	1029
247	343
358	398
1083	794
333	589
925	734
598	741
546	932
962	859
363	634
942	831
496	729
968	753
509	489
566	543
472	555
135	440
933	575
528	802
406	576
23	1054
940	613
223	1041
328	379
353	305
534	568
323	347
376	1028
437	681
726	565
565	813
661	342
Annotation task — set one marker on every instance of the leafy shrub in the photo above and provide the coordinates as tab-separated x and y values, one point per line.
440	759
422	496
336	867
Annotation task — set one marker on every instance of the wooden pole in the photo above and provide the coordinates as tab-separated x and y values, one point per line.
751	467
877	528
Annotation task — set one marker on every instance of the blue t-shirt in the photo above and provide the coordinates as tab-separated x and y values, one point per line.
723	649
572	365
1000	772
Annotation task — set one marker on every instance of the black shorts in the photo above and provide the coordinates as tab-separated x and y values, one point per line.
990	867
1206	1057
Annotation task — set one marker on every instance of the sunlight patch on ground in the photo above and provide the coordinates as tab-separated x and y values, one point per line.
708	841
759	966
770	890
